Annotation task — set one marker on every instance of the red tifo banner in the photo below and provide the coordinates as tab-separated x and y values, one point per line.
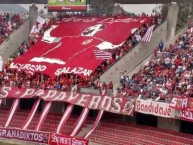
68	45
24	135
107	103
58	139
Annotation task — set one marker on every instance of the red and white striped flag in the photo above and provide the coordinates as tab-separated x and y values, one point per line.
101	54
148	34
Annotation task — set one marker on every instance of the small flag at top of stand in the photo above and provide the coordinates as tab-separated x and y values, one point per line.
148	34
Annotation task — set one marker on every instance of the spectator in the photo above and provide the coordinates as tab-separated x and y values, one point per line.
161	46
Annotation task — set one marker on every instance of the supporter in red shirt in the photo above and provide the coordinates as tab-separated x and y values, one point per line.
104	86
110	86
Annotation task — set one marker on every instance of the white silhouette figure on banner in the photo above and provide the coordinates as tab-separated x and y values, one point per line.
49	39
89	32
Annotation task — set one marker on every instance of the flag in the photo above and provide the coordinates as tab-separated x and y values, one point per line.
101	54
40	22
191	30
148	34
38	25
1	63
34	31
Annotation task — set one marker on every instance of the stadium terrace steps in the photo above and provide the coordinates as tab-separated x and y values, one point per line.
34	121
113	133
3	115
93	143
85	128
49	125
108	132
51	122
133	58
69	126
127	64
18	118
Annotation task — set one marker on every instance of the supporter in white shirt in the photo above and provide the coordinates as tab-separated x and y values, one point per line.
187	75
138	37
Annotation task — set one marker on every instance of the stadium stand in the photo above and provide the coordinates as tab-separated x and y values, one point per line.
168	75
9	23
64	82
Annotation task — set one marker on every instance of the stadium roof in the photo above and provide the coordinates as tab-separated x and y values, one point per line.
117	1
150	1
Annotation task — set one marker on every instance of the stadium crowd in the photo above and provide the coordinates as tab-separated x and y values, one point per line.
8	23
10	77
168	74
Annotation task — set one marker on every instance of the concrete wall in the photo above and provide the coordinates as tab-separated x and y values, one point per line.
134	58
172	19
90	90
169	124
33	14
173	39
16	38
57	107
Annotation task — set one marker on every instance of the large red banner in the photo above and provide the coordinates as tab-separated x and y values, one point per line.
107	103
58	139
24	135
67	47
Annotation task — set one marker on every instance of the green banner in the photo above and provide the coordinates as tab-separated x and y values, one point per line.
66	2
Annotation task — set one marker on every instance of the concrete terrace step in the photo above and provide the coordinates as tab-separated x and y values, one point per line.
85	130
